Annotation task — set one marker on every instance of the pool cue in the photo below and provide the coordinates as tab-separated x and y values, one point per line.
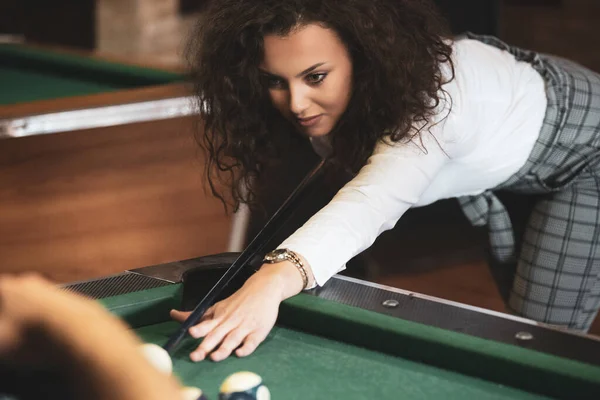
267	232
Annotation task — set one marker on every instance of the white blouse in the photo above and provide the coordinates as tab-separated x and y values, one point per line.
483	134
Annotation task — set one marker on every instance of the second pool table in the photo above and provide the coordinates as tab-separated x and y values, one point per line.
29	74
46	91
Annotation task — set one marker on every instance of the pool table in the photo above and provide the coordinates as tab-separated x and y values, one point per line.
29	73
49	91
356	340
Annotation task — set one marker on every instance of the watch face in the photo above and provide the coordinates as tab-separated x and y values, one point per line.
277	255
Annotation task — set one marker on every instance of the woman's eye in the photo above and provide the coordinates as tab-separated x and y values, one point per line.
315	78
274	83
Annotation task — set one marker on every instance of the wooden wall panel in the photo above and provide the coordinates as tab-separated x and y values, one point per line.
568	29
94	202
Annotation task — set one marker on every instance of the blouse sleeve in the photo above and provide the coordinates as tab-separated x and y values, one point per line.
390	183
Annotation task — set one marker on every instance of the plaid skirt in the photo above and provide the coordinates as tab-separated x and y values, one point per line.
555	267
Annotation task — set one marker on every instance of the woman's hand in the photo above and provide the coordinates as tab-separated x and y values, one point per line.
242	321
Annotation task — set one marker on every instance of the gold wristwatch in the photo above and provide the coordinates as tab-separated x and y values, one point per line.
280	255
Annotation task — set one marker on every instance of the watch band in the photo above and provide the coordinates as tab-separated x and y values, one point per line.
280	255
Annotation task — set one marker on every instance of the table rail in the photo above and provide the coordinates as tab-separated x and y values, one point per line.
416	307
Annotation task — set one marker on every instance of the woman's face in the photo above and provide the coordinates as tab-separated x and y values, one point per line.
309	74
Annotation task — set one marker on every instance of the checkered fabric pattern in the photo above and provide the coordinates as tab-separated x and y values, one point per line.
557	279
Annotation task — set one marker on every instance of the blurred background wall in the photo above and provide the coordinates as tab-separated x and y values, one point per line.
157	28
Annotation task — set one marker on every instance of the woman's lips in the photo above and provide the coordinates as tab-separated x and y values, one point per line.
310	121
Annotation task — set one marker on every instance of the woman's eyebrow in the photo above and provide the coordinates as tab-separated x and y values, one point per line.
309	69
305	72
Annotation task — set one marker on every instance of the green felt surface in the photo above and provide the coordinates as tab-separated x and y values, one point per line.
29	74
19	86
486	359
296	365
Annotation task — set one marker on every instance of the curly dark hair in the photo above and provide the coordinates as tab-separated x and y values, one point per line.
396	48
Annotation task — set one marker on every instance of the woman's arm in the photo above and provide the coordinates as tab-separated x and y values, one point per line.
392	181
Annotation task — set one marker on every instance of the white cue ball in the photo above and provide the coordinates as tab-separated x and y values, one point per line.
158	357
244	385
192	393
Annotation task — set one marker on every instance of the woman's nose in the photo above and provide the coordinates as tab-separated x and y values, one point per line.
299	100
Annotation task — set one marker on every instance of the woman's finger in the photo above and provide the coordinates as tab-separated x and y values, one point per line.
251	343
231	342
211	340
199	330
179	316
204	328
